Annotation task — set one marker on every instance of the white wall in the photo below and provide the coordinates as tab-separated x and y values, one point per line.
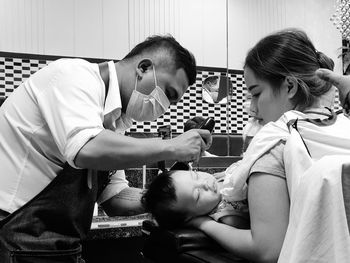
110	28
203	30
250	20
90	28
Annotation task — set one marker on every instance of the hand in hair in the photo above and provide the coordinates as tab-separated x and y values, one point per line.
341	82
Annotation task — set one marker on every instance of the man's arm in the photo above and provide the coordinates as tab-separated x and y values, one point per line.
111	151
126	203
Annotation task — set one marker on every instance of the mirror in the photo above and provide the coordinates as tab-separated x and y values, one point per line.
215	89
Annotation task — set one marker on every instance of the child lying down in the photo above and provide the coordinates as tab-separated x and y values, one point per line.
175	197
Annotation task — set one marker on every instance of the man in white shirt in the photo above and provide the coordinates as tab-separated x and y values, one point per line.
67	118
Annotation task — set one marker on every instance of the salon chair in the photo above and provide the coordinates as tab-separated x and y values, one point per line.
183	245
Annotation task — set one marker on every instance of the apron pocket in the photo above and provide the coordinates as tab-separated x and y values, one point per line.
47	256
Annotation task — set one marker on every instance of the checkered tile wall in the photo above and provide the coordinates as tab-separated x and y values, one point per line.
229	118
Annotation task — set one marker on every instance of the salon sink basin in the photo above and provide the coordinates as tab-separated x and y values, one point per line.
218	162
204	162
227	149
222	144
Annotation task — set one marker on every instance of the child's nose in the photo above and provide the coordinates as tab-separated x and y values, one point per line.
205	185
246	106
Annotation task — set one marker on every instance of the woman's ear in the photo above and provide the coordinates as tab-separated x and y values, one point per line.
143	66
291	85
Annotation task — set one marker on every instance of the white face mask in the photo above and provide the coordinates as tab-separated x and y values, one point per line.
143	107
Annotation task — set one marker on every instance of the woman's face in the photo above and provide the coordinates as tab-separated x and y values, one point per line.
197	192
266	105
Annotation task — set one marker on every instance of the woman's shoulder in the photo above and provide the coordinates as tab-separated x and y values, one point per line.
271	162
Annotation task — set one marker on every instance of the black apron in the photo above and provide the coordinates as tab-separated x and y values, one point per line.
50	227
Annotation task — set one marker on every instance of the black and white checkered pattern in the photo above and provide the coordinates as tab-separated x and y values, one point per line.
230	118
14	70
192	105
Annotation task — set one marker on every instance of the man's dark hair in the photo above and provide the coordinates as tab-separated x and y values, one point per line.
158	200
180	57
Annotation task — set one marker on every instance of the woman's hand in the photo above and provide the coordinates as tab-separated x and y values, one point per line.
341	82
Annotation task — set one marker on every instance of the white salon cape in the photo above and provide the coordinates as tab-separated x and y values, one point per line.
317	229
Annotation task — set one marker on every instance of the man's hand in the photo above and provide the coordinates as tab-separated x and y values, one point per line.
189	146
341	82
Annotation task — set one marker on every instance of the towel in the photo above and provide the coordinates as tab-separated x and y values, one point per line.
234	186
317	229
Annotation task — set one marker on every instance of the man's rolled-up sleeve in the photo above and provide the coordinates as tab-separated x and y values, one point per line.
72	106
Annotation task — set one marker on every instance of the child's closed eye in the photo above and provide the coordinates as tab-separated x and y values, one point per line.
198	194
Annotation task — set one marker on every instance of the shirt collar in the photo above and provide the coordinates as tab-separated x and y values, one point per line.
114	118
113	99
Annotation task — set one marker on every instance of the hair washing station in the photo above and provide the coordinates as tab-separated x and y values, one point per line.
188	244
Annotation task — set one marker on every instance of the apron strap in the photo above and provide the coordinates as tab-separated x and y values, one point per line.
104	72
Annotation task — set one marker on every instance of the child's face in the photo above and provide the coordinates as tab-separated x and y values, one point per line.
197	192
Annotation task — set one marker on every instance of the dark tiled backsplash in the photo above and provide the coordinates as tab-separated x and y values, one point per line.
15	68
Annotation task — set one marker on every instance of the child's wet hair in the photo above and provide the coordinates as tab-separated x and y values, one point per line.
158	200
